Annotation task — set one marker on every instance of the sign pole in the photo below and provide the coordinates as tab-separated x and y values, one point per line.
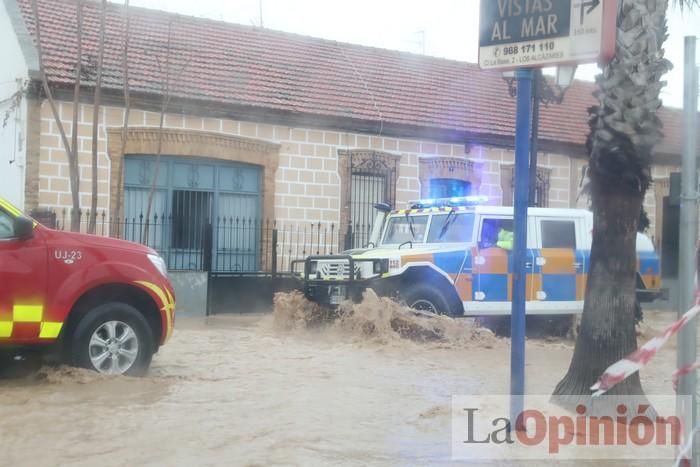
536	90
524	79
687	337
548	33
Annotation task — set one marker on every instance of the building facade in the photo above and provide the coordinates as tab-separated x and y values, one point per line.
243	145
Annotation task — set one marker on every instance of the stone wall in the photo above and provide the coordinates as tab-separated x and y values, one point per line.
308	180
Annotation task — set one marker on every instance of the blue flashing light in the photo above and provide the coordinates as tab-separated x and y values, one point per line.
449	202
478	199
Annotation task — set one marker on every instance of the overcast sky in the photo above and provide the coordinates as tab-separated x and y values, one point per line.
442	28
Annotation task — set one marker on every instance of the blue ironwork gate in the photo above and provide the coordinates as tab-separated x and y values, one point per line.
204	214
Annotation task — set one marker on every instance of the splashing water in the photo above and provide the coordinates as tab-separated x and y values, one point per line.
377	319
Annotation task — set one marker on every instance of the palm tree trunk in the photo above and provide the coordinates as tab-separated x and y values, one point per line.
624	131
608	327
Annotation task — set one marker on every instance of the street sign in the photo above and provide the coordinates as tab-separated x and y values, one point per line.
533	33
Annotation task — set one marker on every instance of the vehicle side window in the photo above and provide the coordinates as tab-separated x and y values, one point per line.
7	229
458	230
490	230
558	234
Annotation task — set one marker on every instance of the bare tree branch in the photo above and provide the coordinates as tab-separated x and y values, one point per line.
15	101
168	78
127	104
71	152
96	118
73	162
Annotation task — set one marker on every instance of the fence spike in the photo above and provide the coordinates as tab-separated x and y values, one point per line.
332	237
325	239
318	239
242	249
297	242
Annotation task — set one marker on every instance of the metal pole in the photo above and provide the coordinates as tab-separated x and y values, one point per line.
687	337
522	155
536	86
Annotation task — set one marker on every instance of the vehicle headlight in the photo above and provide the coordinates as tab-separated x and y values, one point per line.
313	267
381	266
159	264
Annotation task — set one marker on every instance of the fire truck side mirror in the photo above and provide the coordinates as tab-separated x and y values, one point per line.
24	228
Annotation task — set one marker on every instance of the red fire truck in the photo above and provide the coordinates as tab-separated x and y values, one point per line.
95	302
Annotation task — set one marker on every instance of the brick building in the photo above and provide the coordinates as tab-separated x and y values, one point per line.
269	125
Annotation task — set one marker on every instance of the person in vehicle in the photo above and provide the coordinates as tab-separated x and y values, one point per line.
505	239
497	233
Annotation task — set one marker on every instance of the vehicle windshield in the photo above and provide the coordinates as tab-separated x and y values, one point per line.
402	229
451	228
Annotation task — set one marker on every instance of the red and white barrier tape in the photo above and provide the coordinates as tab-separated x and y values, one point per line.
620	370
682	372
683	458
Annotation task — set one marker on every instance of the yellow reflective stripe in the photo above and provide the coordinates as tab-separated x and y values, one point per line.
50	330
5	328
171	301
156	290
27	313
167	306
10	208
30	314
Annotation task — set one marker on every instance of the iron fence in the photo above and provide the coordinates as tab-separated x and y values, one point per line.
230	245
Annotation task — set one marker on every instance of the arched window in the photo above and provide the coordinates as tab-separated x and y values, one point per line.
449	188
447	177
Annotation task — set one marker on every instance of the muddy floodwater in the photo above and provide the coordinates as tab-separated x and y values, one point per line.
267	390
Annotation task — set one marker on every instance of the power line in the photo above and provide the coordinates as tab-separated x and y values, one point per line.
364	83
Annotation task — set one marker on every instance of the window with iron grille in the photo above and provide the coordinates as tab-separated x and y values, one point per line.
541	191
191	215
367	178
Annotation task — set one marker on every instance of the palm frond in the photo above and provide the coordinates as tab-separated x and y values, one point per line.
686	4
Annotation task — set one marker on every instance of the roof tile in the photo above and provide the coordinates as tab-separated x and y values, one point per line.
241	65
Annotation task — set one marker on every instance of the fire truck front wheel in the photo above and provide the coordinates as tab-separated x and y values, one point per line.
428	299
113	338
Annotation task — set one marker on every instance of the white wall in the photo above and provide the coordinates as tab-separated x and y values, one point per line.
13	72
